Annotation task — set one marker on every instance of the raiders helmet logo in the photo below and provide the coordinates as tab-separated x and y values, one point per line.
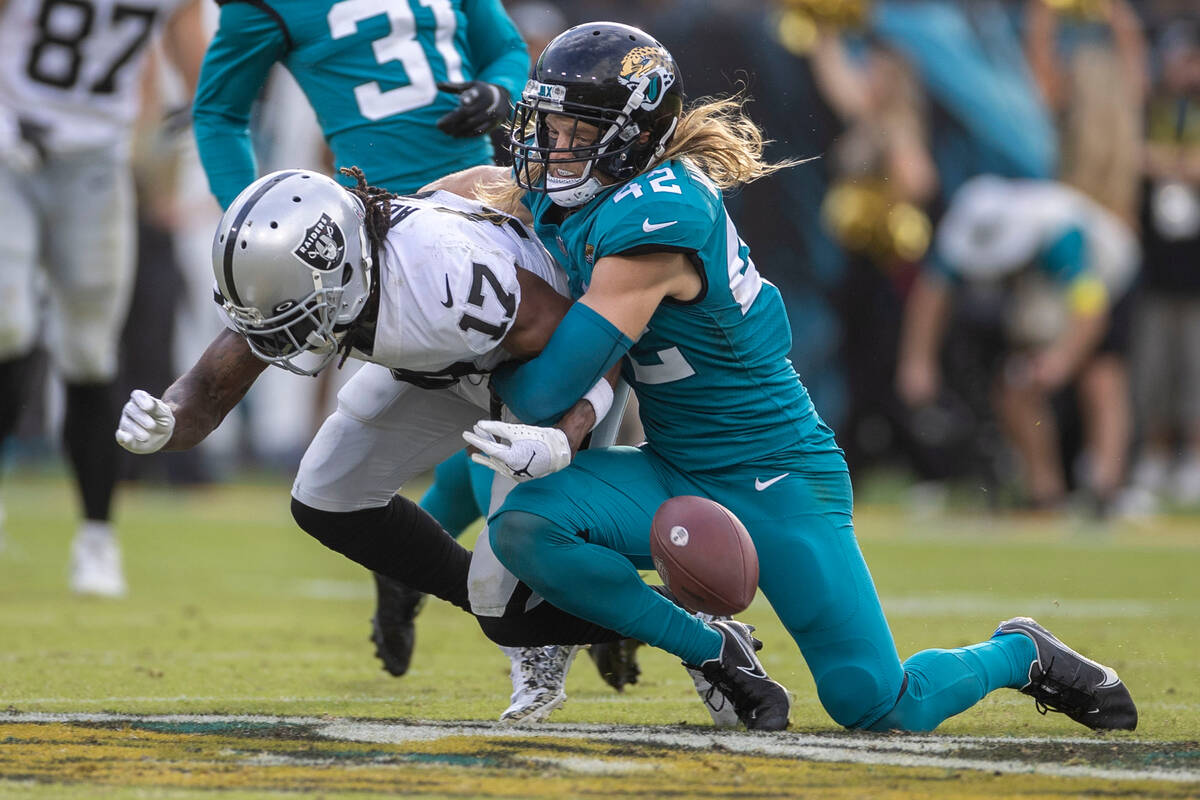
323	246
648	64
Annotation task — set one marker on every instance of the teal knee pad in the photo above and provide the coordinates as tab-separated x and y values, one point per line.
854	696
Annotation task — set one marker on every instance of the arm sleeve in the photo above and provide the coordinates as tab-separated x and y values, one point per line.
582	349
497	50
1064	258
249	39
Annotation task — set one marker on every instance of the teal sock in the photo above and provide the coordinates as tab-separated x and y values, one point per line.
942	683
599	585
453	499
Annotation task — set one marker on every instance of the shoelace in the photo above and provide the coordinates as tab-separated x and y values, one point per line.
708	697
1059	697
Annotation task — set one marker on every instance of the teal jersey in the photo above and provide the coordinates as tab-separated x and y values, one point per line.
713	381
369	68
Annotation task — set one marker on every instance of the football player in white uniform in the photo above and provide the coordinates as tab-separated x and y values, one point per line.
69	92
432	291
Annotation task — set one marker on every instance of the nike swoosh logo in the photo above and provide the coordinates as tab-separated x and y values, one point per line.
760	484
651	227
757	671
449	301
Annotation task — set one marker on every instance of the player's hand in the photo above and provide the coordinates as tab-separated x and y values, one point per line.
918	381
482	106
146	424
22	143
521	452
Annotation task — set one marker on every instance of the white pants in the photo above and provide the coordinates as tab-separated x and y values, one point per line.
75	218
385	432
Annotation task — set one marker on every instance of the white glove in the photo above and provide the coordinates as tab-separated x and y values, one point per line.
519	451
146	423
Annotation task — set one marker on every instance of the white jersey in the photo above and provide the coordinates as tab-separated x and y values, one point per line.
72	67
448	289
994	227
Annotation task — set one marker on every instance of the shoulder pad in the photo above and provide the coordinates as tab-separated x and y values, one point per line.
670	207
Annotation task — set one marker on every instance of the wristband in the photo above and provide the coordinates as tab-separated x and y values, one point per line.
601	398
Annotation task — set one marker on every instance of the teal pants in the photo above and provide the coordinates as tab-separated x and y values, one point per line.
460	493
578	537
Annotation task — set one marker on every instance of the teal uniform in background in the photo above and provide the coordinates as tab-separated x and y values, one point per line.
726	417
369	68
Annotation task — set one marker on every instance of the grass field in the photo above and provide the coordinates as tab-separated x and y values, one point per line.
239	665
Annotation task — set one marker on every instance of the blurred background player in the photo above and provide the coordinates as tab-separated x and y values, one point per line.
405	90
70	77
1041	265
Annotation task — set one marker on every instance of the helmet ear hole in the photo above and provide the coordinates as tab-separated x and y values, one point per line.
347	273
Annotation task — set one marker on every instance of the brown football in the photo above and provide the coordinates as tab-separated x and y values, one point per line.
704	555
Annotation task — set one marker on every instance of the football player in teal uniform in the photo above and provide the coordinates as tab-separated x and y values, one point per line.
404	90
624	186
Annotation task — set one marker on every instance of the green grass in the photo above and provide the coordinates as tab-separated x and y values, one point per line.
233	609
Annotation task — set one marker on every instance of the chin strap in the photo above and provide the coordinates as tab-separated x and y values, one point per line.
360	333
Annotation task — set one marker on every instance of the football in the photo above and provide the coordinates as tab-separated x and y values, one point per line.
704	555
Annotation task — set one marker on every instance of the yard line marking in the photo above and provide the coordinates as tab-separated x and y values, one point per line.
879	750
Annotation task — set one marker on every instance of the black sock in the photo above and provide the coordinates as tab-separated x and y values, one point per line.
88	425
14	387
400	541
544	624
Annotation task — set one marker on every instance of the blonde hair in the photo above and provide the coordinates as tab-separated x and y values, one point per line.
1101	143
715	136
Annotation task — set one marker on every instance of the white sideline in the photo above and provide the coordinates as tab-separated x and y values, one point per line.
900	751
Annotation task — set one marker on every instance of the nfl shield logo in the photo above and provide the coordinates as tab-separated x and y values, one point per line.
323	246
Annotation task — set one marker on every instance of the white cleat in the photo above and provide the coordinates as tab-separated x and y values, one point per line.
96	562
719	707
539	676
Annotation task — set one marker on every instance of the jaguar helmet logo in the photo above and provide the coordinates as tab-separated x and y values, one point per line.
323	246
652	63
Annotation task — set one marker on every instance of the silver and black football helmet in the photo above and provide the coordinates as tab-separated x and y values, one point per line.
613	76
293	266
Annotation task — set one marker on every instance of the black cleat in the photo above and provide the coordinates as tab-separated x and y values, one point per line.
617	662
760	703
392	629
1064	681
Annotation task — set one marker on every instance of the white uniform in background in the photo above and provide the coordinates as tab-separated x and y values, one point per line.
70	90
448	293
69	93
996	227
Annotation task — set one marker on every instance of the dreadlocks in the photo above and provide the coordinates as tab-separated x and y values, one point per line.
376	200
377	205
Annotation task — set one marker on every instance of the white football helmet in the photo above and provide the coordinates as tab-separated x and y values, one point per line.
293	266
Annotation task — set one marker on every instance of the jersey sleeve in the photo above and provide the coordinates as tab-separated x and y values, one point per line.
487	294
249	39
665	210
497	49
464	294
